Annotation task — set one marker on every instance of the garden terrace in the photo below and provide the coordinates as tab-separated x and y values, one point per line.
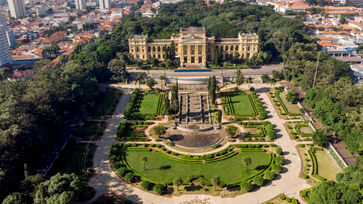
133	131
243	105
258	131
285	109
317	164
145	105
163	166
300	131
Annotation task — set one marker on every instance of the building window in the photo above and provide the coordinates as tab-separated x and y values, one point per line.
200	60
148	49
158	49
137	49
185	59
248	48
236	48
231	47
158	56
192	60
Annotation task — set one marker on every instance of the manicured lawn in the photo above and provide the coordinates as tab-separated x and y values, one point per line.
163	170
326	167
306	130
292	108
149	104
242	105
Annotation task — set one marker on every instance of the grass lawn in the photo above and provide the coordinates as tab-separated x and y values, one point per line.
326	167
163	170
292	108
253	130
242	105
149	104
306	130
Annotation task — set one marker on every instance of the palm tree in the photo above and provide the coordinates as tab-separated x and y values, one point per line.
177	181
143	160
239	77
246	161
215	182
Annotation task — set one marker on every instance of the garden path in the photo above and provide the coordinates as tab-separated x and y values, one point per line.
105	179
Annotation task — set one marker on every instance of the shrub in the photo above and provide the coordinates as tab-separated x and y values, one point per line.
269	175
117	165
282	197
288	199
280	160
146	185
130	177
258	181
294	201
279	150
246	186
276	168
159	189
122	171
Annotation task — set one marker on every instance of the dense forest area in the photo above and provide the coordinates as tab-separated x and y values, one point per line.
33	113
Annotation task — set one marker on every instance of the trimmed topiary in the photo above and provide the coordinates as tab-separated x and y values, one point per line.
147	185
258	181
130	177
276	168
269	175
122	171
246	186
279	150
159	189
280	160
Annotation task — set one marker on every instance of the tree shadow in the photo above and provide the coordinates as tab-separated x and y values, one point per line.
176	137
166	167
261	167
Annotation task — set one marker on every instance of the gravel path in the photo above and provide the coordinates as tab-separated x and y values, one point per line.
289	183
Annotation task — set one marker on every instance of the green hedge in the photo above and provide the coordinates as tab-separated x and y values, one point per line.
314	161
269	165
285	111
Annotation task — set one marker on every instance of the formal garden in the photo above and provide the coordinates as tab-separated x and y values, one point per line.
300	131
145	105
249	166
258	131
285	103
243	105
318	166
133	131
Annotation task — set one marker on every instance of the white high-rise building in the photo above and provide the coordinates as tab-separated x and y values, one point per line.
5	55
80	4
105	4
17	8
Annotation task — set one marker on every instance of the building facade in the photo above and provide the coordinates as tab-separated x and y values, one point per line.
17	8
80	4
105	4
193	46
5	55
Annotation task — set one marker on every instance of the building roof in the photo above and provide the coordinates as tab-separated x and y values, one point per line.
193	29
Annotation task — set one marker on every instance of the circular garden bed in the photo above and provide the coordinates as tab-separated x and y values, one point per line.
153	167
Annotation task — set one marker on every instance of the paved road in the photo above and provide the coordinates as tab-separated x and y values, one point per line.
106	180
216	72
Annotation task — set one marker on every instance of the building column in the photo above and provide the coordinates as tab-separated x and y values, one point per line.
204	54
189	53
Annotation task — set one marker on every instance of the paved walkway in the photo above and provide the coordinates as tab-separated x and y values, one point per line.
288	183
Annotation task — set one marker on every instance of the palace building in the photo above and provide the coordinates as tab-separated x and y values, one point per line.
193	46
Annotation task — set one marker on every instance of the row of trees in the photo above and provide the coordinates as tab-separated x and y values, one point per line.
212	88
